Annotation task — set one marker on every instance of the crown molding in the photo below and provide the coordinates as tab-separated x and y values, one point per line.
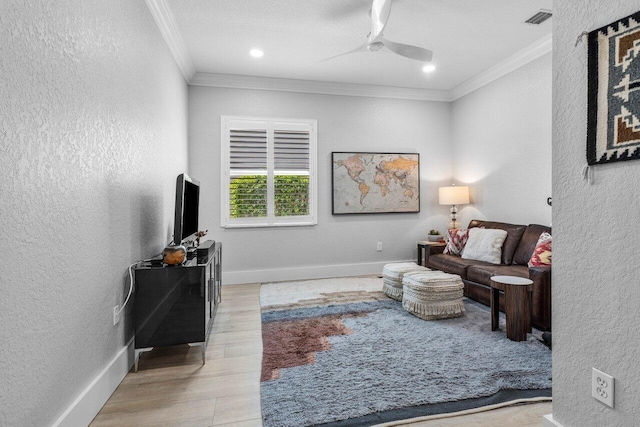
532	52
166	23
512	63
325	88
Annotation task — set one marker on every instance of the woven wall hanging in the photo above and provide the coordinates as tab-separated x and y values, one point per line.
613	123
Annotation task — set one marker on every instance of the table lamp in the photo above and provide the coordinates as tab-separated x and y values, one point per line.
454	196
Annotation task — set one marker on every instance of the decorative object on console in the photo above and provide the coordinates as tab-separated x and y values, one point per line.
613	113
541	256
457	240
434	236
454	196
174	255
485	244
200	234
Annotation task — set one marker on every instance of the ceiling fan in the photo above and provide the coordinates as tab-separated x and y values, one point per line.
380	11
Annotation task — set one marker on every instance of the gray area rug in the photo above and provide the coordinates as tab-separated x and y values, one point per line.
392	360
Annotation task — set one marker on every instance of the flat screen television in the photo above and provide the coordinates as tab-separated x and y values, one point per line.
187	204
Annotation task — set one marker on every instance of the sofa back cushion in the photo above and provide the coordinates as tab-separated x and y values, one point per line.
528	243
514	234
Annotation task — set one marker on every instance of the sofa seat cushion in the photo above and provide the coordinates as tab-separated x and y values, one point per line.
453	264
482	273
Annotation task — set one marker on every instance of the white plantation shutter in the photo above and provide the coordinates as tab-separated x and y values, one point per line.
291	158
268	172
247	163
248	149
291	150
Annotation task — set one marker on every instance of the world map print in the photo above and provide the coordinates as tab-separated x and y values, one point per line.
375	183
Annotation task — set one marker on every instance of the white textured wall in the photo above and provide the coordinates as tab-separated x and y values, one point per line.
93	128
596	241
344	124
502	146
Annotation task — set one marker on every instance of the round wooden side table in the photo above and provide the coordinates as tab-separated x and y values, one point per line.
517	305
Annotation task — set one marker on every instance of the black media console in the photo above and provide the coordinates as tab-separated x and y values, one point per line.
177	304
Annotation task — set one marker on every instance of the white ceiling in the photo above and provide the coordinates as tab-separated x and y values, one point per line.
468	37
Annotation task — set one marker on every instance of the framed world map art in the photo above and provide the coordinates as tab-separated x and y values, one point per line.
613	124
365	183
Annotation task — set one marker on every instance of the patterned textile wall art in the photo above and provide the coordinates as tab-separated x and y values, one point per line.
613	125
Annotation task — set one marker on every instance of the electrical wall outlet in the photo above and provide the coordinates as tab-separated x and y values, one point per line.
602	386
116	315
379	246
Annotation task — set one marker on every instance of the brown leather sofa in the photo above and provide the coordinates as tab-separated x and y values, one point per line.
516	251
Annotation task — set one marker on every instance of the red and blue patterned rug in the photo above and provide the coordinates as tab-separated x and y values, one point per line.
338	352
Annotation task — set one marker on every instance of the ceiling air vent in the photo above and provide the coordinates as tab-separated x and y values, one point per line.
539	17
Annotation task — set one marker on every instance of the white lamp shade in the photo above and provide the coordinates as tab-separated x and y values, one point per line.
454	195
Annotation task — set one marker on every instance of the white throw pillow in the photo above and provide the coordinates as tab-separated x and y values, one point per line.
484	244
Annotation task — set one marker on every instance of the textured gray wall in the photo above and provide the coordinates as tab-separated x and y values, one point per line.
497	138
93	128
596	241
502	146
344	124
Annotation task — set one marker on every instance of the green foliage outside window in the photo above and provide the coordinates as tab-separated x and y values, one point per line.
248	196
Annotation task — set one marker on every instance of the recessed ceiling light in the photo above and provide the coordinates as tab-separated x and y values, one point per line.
256	53
429	68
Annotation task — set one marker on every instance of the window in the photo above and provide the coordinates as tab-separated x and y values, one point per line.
268	172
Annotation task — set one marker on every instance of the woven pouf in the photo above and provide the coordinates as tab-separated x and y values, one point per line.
433	295
392	275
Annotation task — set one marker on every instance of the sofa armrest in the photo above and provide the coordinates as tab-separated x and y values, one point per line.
541	277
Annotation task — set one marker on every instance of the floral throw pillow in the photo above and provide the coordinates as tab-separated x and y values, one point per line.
457	239
541	256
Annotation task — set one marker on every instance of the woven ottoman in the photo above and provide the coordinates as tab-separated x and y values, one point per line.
433	295
392	275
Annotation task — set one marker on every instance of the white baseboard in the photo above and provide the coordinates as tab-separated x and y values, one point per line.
302	273
547	421
87	405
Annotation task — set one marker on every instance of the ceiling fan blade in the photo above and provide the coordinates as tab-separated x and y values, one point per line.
380	11
408	51
361	48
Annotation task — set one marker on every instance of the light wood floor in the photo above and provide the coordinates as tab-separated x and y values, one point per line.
173	388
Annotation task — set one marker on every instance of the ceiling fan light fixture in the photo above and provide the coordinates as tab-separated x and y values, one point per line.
256	53
429	68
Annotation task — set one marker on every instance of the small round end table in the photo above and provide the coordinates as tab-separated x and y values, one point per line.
517	305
